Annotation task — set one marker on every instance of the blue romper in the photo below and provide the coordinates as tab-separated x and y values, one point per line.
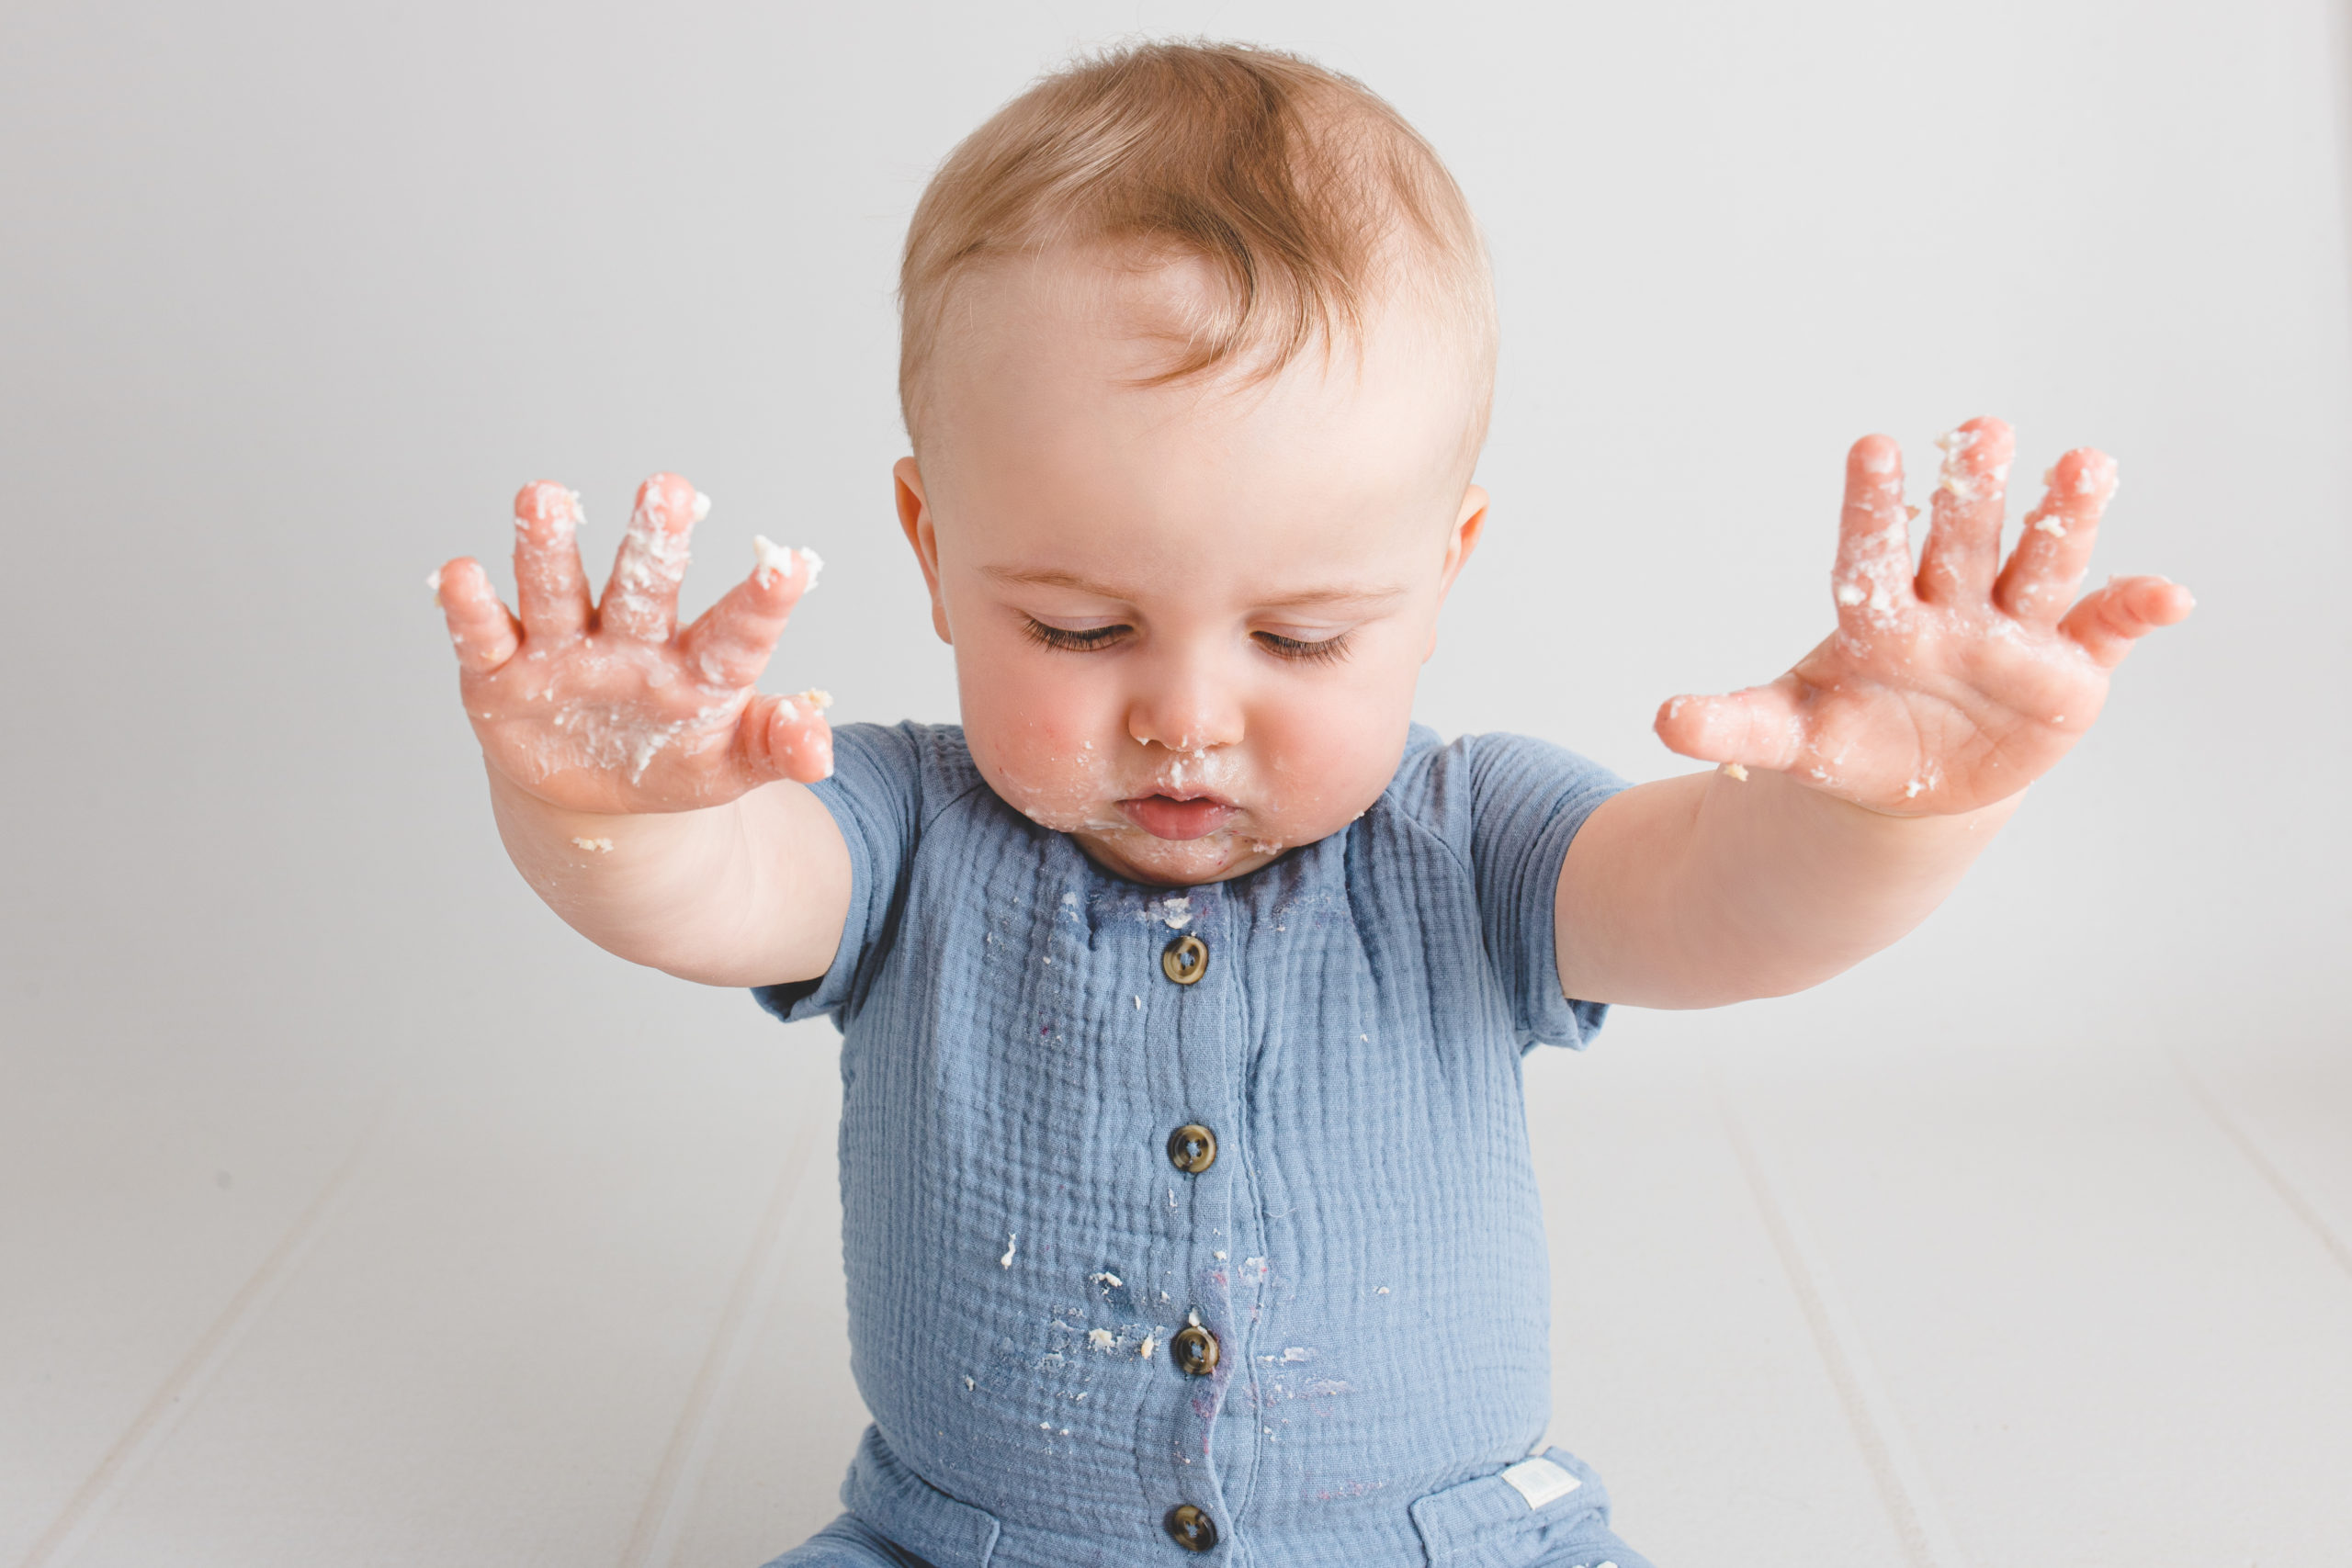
1198	1226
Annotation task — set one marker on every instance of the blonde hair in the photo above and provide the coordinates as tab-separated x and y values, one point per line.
1308	198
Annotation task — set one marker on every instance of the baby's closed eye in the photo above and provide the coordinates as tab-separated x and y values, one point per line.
1079	639
1308	646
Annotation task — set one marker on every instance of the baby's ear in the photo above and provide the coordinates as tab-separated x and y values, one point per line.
1469	525
914	521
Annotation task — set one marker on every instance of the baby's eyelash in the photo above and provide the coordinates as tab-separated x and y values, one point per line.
1323	652
1075	641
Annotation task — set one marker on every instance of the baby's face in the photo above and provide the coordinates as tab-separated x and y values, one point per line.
1187	619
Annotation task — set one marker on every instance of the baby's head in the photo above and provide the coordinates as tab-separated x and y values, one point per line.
1198	348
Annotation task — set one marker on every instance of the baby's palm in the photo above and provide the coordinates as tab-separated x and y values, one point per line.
1949	689
608	707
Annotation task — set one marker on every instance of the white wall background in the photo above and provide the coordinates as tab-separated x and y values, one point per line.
352	1210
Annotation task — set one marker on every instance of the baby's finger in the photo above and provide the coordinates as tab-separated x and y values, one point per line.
549	588
483	633
2054	550
2108	622
1963	547
641	599
729	644
787	738
1759	727
1872	578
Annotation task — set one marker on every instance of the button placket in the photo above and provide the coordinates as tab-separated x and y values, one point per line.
1196	1022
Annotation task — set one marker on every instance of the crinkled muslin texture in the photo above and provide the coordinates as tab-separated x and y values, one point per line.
1367	1248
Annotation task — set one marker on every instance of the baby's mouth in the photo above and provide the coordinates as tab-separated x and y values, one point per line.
1174	817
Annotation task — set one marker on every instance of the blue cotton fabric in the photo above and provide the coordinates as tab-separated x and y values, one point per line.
1367	1248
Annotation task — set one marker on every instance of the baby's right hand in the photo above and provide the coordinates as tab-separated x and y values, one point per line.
610	708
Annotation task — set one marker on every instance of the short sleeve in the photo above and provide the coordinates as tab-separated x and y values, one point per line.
876	799
1528	797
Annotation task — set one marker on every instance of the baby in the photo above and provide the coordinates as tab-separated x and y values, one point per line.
1183	987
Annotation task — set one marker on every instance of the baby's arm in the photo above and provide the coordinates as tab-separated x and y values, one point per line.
1860	785
642	787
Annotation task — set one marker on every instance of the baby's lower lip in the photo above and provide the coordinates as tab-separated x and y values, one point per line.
1164	817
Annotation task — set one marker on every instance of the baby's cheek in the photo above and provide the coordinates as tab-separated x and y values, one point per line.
1044	769
1325	763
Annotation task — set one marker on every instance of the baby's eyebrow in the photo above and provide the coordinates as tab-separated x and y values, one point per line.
1367	593
1050	576
1363	593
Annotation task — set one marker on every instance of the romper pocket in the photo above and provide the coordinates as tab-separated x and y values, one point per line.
912	1513
1529	1514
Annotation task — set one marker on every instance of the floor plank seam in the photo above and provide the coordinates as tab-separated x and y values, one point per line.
2301	1205
677	1484
94	1502
1894	1470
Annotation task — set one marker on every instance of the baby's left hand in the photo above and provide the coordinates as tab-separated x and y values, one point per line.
1950	689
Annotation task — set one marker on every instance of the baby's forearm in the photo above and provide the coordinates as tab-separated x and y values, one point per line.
745	894
1703	890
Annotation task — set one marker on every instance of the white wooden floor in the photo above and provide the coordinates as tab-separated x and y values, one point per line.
2079	1306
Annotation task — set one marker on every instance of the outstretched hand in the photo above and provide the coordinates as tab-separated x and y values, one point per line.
606	706
1950	688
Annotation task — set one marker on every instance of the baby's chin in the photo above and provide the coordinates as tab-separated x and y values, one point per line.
1139	856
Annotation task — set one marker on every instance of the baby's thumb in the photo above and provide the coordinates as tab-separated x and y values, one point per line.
787	738
1758	728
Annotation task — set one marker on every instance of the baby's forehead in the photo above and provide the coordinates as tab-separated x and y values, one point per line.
1096	328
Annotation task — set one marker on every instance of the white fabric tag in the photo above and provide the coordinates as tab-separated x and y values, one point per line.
1540	1480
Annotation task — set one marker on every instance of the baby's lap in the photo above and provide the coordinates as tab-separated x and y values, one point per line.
847	1543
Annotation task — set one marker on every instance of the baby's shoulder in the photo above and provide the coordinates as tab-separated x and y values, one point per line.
1437	780
922	769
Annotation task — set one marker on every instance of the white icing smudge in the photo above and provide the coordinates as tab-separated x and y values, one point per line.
1175	912
702	506
772	558
1012	1243
595	846
1733	771
1150	1342
1107	1280
611	734
1101	1339
433	581
653	560
1955	480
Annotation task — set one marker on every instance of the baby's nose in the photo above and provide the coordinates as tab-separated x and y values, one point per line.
1185	710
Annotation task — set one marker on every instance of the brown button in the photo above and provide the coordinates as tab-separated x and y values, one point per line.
1184	960
1191	1148
1196	1349
1190	1529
